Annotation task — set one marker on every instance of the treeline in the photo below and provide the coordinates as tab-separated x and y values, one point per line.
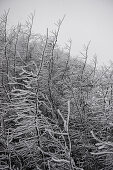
56	112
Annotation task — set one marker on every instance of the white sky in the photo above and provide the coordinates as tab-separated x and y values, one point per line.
85	20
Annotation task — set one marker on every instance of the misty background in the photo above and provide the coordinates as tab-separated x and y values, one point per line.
85	20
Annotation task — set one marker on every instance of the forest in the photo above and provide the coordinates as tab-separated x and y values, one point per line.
56	111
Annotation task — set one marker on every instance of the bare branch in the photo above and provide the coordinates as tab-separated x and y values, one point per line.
101	153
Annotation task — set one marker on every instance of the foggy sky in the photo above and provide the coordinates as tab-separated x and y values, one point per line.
85	20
